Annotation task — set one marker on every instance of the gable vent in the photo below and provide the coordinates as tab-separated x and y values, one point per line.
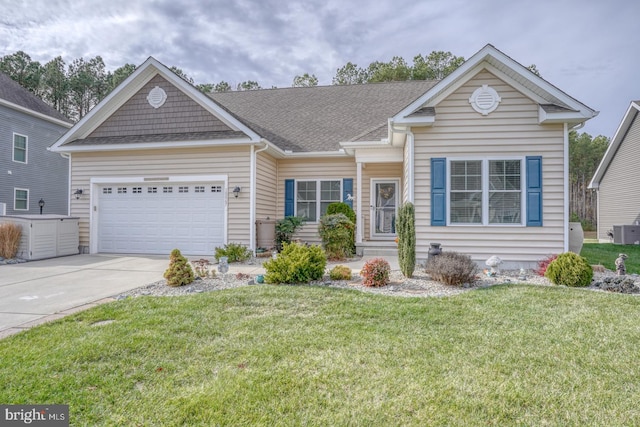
485	99
157	96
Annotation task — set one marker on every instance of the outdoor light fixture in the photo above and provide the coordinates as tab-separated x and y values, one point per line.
41	204
236	192
78	193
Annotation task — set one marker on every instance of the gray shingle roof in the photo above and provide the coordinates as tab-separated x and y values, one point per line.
319	118
12	92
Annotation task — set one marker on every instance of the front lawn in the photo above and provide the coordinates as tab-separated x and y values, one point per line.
298	355
606	254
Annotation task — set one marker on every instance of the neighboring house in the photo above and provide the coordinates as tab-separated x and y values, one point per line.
483	155
29	172
616	179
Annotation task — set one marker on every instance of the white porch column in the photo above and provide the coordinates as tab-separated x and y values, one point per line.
359	223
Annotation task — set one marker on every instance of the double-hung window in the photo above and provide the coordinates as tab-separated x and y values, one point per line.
19	148
313	197
20	199
485	191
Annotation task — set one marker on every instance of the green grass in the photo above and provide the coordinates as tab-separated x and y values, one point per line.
606	254
287	355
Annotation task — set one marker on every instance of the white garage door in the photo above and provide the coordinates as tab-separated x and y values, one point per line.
157	218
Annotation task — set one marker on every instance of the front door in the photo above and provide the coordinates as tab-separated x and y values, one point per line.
384	197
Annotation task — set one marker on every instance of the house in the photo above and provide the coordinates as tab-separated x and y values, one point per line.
482	154
616	179
30	173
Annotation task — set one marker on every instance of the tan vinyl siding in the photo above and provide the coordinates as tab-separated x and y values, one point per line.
302	169
266	186
618	196
232	162
374	171
178	114
512	129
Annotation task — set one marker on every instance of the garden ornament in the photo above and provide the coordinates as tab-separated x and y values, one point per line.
621	269
493	262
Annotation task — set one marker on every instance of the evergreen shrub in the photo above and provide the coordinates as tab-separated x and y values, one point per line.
296	263
570	269
179	272
235	252
337	233
406	229
340	272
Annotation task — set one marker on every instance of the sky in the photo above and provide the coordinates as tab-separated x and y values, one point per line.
590	49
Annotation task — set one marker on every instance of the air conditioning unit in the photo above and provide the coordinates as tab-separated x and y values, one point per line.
626	234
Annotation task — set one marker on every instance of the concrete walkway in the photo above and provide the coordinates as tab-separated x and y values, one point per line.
40	291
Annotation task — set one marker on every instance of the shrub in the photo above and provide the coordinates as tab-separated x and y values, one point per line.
235	252
452	268
340	272
343	208
179	272
407	239
544	263
10	235
569	269
285	229
202	268
375	272
296	263
337	233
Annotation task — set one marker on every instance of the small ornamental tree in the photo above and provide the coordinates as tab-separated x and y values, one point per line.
337	232
179	272
406	227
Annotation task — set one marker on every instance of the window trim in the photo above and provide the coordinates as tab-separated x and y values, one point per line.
485	191
26	149
15	190
318	200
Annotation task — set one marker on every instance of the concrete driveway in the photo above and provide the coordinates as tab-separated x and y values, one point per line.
39	291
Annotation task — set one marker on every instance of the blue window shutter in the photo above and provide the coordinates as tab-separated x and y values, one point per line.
534	191
347	189
438	191
289	197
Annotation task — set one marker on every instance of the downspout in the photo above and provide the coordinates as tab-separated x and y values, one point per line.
411	160
68	157
566	187
252	198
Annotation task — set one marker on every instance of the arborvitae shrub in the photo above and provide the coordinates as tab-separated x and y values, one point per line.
452	268
235	252
179	272
337	233
375	272
340	272
569	269
296	263
406	239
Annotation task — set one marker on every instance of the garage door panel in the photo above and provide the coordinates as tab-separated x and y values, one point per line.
157	219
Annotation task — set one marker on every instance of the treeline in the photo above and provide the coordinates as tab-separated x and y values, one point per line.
74	88
585	153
